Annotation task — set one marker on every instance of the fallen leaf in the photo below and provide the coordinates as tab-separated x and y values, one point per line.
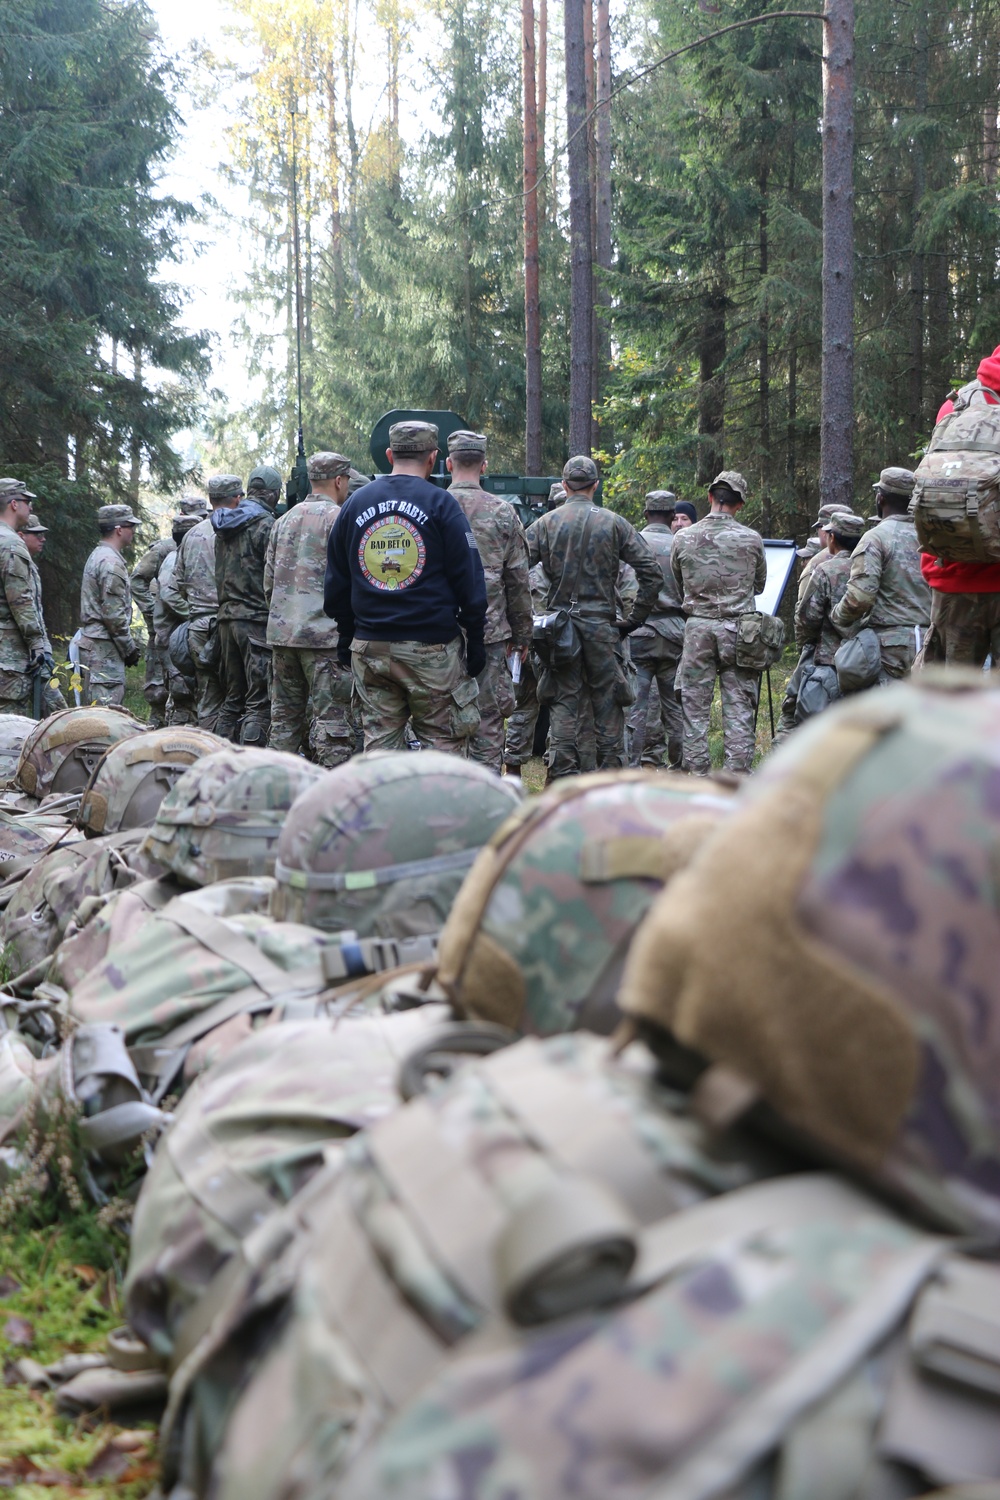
110	1463
8	1287
20	1332
86	1274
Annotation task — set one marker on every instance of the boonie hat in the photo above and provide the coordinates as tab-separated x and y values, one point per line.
580	473
896	482
116	515
413	437
327	466
734	479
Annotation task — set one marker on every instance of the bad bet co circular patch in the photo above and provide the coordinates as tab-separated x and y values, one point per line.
391	553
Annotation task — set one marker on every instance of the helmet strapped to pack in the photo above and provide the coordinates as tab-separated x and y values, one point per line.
132	778
62	751
222	818
382	843
832	950
538	933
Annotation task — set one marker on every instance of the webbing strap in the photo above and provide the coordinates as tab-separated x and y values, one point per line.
228	1195
557	1111
248	999
363	880
231	946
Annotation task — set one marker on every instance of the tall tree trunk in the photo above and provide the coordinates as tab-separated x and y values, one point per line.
602	198
711	390
581	356
135	456
918	189
543	99
336	227
532	314
353	169
588	59
836	455
764	336
791	434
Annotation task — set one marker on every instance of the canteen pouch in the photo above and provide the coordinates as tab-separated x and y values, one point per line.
760	640
858	662
554	638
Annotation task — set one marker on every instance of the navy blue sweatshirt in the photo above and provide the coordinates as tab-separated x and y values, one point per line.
402	565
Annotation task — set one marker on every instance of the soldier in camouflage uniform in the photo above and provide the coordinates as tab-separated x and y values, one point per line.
504	553
815	632
581	547
310	690
24	646
33	536
886	583
810	556
142	581
190	594
106	645
720	566
181	685
521	724
241	537
404	583
656	646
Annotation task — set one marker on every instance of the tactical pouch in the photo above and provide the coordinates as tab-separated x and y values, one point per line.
858	662
626	679
554	637
818	689
760	640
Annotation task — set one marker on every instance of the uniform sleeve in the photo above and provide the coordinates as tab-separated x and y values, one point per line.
810	609
675	565
532	539
337	584
143	574
172	590
516	589
272	544
116	606
647	571
863	584
15	578
760	573
464	569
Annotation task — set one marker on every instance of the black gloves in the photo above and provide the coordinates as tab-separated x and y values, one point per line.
132	655
475	657
43	663
343	652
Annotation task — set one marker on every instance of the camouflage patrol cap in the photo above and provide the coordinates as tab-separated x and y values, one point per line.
896	482
812	546
34	526
826	511
109	516
194	505
463	441
357	481
585	859
850	984
15	489
659	501
557	493
579	473
382	843
222	818
413	438
843	523
328	466
132	777
733	479
61	752
180	525
225	487
264	478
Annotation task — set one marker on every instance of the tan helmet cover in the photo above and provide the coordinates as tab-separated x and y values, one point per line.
131	779
61	753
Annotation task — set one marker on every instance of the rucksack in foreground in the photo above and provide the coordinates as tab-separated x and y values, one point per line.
956	498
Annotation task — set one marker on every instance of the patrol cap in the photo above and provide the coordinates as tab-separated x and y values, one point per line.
14	489
116	515
845	524
357	480
896	482
194	505
812	546
225	487
660	501
464	441
327	466
407	438
826	511
557	494
579	473
734	479
265	478
180	525
35	526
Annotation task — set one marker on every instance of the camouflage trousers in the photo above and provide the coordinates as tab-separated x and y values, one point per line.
786	719
107	672
595	678
964	631
519	746
426	683
154	688
496	704
311	704
656	712
245	716
710	652
206	654
898	650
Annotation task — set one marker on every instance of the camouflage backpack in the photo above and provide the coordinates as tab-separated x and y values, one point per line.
832	949
60	753
339	1309
956	498
381	844
132	778
14	730
222	818
538	934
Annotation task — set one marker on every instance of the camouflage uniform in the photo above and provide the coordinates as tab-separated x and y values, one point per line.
519	747
584	581
142	582
656	648
720	566
500	538
52	698
191	594
181	687
887	586
22	628
241	537
106	614
310	690
811	557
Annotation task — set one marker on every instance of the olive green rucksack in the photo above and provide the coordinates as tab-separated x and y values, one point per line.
956	497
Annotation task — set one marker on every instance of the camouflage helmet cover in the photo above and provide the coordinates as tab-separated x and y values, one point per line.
382	843
222	818
538	934
131	779
851	983
62	750
14	730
